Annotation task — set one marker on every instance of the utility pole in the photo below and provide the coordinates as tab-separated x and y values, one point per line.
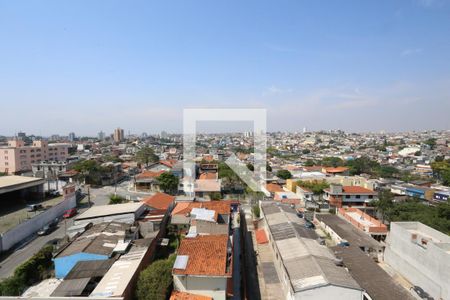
89	195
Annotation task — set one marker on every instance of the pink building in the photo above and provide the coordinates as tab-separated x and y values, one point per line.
18	157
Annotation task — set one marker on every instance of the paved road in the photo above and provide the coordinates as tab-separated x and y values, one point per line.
99	196
9	264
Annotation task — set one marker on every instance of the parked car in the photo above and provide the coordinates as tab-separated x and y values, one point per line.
344	243
34	207
49	228
54	193
309	225
70	213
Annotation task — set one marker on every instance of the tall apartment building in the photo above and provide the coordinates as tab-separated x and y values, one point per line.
118	135
17	157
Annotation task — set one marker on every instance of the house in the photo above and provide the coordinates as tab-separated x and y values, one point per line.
364	222
176	295
421	254
203	266
160	201
339	196
185	212
441	196
335	171
162	165
305	195
97	243
147	181
287	197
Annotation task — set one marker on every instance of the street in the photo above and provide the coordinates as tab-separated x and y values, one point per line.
99	196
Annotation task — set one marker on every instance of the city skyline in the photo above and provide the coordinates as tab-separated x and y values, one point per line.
354	66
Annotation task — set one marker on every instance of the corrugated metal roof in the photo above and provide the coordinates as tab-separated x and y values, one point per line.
72	287
308	264
90	269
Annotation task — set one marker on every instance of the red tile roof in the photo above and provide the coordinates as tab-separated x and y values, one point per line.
159	201
261	236
149	174
273	188
356	190
221	207
207	256
209	175
187	296
336	170
168	163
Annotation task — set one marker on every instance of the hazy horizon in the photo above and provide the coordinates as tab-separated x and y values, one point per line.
353	65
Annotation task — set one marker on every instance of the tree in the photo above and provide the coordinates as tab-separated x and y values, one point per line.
146	155
155	281
310	163
431	142
362	165
284	174
215	196
314	186
441	170
116	199
332	162
168	182
256	211
384	204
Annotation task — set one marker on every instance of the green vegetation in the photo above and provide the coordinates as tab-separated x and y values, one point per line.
37	268
3	174
116	199
91	171
215	196
146	155
284	174
155	281
256	210
437	217
431	142
332	162
168	182
368	166
441	170
314	186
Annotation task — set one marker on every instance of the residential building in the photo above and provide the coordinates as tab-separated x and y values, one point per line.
420	254
125	212
17	157
306	269
339	196
118	135
204	266
364	222
97	243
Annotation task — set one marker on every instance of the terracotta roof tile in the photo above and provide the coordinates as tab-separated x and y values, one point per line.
273	187
149	174
187	296
222	207
159	200
356	190
207	256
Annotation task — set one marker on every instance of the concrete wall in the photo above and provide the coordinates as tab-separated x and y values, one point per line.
30	227
425	266
205	227
215	287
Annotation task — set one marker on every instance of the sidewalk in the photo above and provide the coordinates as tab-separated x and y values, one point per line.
269	282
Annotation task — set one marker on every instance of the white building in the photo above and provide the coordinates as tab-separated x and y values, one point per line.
306	269
421	254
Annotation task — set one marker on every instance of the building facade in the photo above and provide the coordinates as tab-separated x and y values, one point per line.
118	135
421	254
17	157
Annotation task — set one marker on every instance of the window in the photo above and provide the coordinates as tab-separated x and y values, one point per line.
347	196
358	196
6	163
370	196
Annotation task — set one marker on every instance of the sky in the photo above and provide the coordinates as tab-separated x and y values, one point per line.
86	66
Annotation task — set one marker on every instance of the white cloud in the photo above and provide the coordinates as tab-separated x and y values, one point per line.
274	90
411	51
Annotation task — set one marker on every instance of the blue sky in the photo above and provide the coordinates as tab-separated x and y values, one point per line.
86	66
